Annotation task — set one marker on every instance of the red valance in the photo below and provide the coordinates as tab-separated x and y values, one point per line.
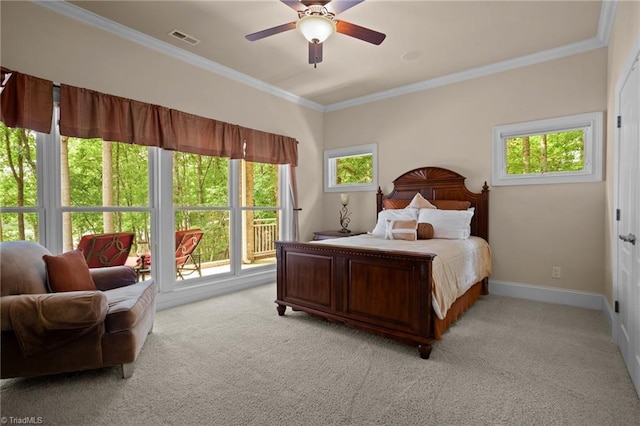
85	113
26	101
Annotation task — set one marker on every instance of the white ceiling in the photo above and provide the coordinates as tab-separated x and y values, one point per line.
456	39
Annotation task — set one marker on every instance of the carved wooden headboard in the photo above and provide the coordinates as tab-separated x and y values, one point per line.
436	183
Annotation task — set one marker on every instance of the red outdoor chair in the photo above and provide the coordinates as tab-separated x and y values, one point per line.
186	243
101	250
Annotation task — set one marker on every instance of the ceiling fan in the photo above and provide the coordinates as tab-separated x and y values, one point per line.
316	22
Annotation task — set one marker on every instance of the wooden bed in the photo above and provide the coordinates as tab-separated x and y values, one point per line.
384	292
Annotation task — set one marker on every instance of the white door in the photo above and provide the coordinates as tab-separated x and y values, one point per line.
628	268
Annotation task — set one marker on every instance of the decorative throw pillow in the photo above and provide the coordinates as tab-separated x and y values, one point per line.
451	204
401	230
401	214
425	231
451	224
419	202
68	272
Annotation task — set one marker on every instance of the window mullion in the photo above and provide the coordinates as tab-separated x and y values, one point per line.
49	185
236	217
164	242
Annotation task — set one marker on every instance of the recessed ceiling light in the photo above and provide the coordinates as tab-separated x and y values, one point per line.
411	55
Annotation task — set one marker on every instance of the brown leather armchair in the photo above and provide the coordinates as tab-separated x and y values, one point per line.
46	333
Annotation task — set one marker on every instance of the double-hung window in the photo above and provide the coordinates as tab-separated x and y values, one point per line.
104	188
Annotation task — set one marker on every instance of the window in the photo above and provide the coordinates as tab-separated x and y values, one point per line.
259	201
560	150
56	189
104	188
351	169
238	234
178	215
201	201
19	201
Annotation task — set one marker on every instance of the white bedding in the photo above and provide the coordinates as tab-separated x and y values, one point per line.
458	265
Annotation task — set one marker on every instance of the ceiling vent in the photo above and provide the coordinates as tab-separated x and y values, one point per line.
180	35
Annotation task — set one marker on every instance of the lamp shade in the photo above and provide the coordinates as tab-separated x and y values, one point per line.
316	28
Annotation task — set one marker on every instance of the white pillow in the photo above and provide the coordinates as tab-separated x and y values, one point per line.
450	224
393	214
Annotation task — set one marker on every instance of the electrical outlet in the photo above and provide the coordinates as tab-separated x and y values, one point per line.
556	272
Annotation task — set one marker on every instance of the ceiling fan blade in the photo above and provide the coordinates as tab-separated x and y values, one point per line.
302	5
296	5
315	53
338	6
270	31
308	3
362	33
335	6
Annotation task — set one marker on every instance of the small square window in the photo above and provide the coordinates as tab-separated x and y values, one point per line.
351	169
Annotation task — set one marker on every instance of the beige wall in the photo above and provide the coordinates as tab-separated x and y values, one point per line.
46	44
626	32
532	227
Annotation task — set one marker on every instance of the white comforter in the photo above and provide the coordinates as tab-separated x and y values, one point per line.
458	265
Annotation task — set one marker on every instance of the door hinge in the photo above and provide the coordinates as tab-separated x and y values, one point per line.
616	307
619	121
617	214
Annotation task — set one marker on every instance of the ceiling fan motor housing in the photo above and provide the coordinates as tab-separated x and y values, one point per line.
318	10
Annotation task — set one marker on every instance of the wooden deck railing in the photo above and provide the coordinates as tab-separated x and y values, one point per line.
265	232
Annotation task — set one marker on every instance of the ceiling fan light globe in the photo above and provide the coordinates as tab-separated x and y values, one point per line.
315	28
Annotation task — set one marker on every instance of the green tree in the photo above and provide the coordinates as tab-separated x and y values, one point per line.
18	182
354	169
546	153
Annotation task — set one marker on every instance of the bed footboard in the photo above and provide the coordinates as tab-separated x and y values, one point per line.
387	293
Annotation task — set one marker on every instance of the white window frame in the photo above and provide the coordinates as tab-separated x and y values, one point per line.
590	123
330	177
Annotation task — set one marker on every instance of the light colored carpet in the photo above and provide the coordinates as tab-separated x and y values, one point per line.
233	361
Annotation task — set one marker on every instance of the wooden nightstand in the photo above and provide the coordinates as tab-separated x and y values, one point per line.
327	235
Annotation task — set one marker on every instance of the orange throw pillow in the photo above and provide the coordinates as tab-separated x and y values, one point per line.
451	204
68	272
425	231
394	204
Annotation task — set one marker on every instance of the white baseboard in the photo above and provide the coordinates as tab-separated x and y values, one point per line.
609	314
560	296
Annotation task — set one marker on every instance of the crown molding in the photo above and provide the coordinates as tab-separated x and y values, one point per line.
92	19
607	17
605	25
523	61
